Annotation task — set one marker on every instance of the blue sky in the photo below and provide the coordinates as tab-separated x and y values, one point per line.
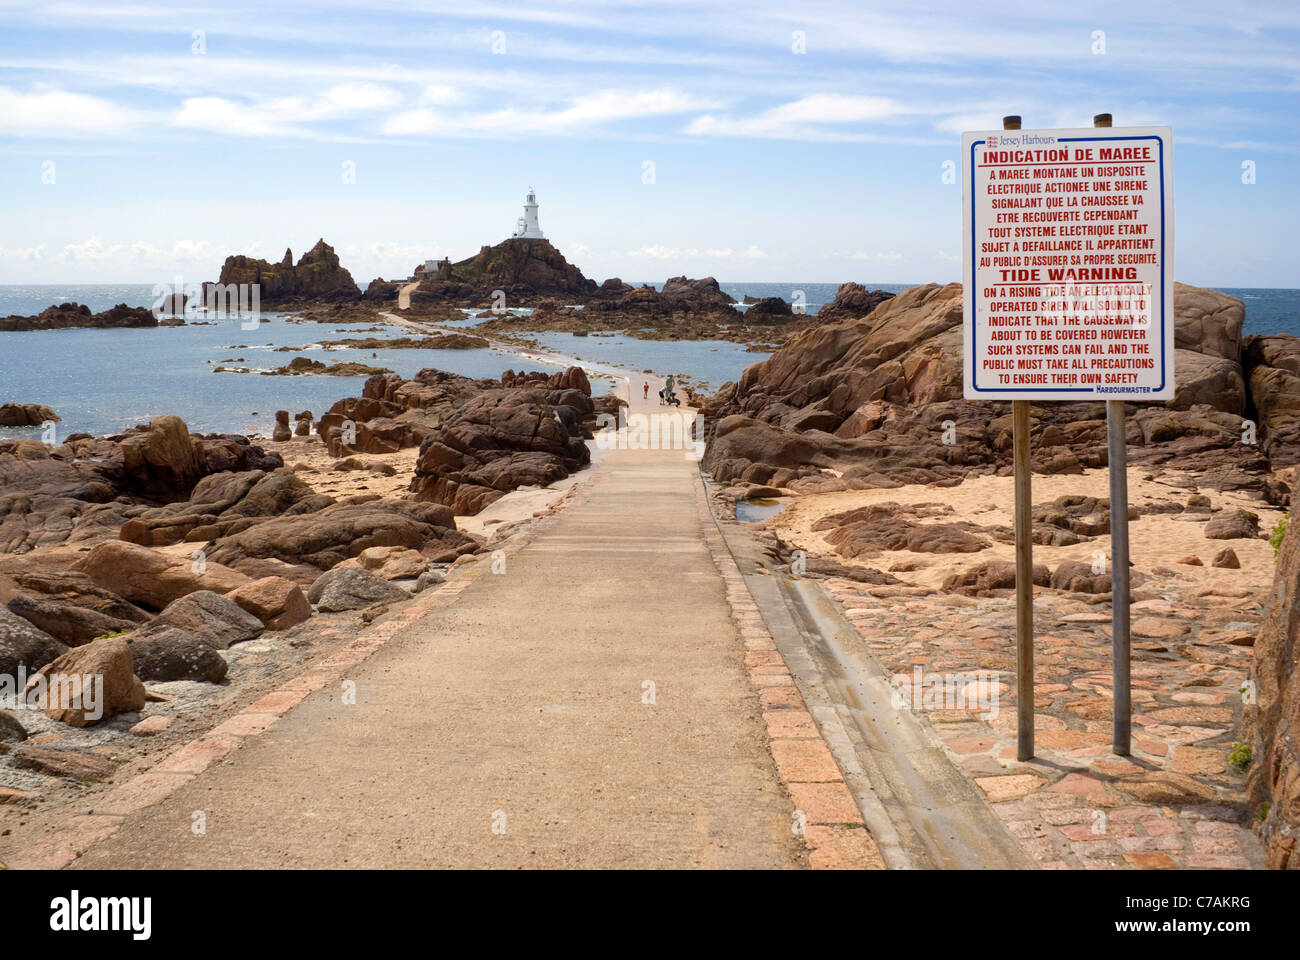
789	142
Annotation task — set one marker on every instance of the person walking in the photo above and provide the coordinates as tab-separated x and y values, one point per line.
645	388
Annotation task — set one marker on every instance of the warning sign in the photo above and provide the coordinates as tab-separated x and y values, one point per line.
1068	268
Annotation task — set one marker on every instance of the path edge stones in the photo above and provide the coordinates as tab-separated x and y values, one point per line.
826	814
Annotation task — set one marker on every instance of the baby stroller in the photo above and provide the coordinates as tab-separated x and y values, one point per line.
673	400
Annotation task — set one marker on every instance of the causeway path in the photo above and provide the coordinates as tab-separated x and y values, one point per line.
510	728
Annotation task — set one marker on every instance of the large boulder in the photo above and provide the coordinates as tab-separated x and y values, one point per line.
326	537
1208	322
277	602
69	587
169	654
163	458
1201	378
66	622
110	663
992	575
216	620
155	579
391	563
1235	524
24	645
351	588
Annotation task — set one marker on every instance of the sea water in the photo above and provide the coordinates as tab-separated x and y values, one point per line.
104	381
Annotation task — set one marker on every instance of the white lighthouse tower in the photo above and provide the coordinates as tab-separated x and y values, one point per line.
528	227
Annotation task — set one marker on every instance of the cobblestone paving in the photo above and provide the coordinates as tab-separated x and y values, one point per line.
1177	802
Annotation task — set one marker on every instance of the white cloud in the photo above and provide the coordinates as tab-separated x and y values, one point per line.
219	115
891	257
801	119
57	113
91	249
413	122
945	255
282	116
660	252
439	94
582	112
24	254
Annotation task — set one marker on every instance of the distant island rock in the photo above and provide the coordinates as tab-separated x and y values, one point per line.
64	316
318	275
304	365
442	341
25	414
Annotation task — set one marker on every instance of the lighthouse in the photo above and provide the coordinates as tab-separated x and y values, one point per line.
528	227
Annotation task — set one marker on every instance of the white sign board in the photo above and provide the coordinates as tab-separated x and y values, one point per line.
1068	265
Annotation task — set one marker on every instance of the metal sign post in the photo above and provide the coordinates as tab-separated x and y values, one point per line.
1024	521
1068	295
1117	457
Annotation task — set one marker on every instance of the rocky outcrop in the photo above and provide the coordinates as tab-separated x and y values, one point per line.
318	275
704	291
380	289
769	310
523	268
222	503
324	538
83	490
441	341
852	302
299	366
877	401
63	316
684	310
1273	372
26	414
500	440
1271	724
